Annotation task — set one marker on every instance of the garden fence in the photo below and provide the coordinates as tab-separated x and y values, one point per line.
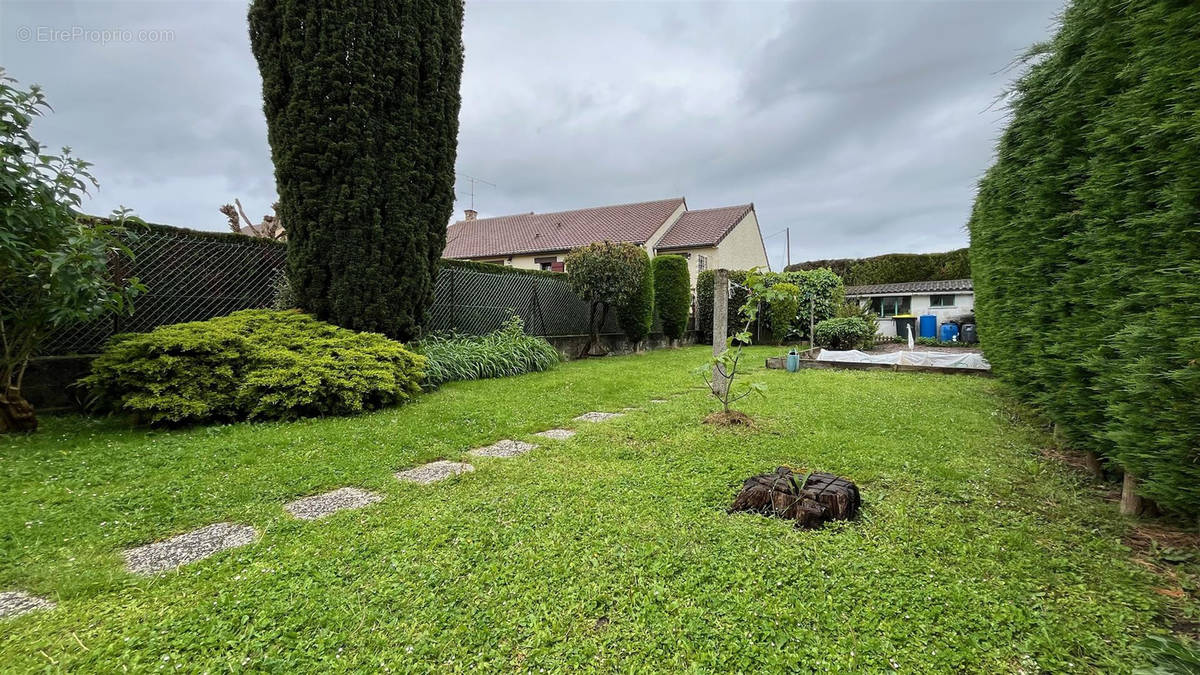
193	276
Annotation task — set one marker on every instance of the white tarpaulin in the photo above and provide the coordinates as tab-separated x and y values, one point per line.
906	358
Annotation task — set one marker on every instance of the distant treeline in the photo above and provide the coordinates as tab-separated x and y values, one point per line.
892	268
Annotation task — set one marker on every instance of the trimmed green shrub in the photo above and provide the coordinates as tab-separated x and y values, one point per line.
503	352
892	268
492	268
251	365
843	333
607	274
673	293
361	99
1084	245
636	314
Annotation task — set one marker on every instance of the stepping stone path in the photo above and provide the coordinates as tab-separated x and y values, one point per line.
597	416
187	548
505	448
319	506
434	471
16	603
658	400
556	434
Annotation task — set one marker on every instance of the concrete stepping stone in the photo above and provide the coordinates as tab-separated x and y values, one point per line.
16	603
504	448
556	434
187	548
319	506
434	471
598	416
659	400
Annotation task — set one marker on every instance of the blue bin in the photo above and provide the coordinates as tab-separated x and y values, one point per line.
928	326
949	332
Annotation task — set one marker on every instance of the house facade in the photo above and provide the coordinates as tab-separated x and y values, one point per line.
947	300
709	238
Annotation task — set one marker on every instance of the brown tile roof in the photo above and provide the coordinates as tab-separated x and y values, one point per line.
703	227
537	232
910	287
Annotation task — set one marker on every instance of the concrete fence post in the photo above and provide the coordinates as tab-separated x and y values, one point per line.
720	324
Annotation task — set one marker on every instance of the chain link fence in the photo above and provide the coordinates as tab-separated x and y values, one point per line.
193	276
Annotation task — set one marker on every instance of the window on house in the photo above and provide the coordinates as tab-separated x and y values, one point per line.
701	263
941	301
545	263
891	305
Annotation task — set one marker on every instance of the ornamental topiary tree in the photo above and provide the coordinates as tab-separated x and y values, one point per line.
636	314
672	293
361	99
53	262
606	274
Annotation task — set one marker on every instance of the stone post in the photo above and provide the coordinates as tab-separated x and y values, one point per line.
720	324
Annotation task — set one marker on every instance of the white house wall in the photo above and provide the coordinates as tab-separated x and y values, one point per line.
964	303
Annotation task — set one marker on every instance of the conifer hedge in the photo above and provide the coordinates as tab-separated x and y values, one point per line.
672	293
892	268
361	99
636	315
1085	240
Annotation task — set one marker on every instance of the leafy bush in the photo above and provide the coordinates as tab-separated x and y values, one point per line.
862	311
251	365
673	293
783	310
822	287
843	333
1084	247
507	351
607	274
894	268
636	314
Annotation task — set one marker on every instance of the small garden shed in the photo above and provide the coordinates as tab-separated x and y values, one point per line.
949	300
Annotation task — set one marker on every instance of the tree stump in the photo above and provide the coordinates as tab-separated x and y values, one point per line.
810	499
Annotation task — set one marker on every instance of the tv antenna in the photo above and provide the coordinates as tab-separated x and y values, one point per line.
475	180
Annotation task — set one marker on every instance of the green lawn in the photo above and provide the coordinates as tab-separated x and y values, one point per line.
610	550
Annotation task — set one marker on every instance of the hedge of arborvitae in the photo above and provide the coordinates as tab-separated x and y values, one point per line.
636	316
672	293
1085	240
361	99
894	268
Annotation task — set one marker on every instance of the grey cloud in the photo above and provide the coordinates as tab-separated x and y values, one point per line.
862	126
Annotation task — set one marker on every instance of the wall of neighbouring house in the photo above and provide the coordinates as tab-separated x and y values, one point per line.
964	303
742	248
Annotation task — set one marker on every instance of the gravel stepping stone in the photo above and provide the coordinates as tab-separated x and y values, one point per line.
659	400
16	603
319	506
597	416
504	448
556	434
434	471
188	547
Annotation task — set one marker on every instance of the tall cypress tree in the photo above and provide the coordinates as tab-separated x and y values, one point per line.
362	99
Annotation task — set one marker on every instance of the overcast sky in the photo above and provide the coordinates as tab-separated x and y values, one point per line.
862	126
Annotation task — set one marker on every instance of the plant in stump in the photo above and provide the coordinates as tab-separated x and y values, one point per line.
361	99
53	263
720	372
606	274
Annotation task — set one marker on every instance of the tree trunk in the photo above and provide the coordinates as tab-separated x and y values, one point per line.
593	346
1092	460
15	412
1131	502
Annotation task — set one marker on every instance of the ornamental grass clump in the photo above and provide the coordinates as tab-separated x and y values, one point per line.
504	352
251	365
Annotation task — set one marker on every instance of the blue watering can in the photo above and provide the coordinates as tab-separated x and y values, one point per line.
793	361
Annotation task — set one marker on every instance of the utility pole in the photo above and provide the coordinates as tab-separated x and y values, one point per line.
788	237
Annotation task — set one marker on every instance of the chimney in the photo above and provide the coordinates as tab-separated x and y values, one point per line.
471	213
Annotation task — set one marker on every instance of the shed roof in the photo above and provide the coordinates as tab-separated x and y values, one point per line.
911	288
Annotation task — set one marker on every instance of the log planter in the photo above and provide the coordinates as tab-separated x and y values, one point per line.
810	499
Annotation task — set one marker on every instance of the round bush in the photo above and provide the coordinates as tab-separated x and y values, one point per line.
251	365
843	333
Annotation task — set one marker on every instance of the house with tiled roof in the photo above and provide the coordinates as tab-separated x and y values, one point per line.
709	238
